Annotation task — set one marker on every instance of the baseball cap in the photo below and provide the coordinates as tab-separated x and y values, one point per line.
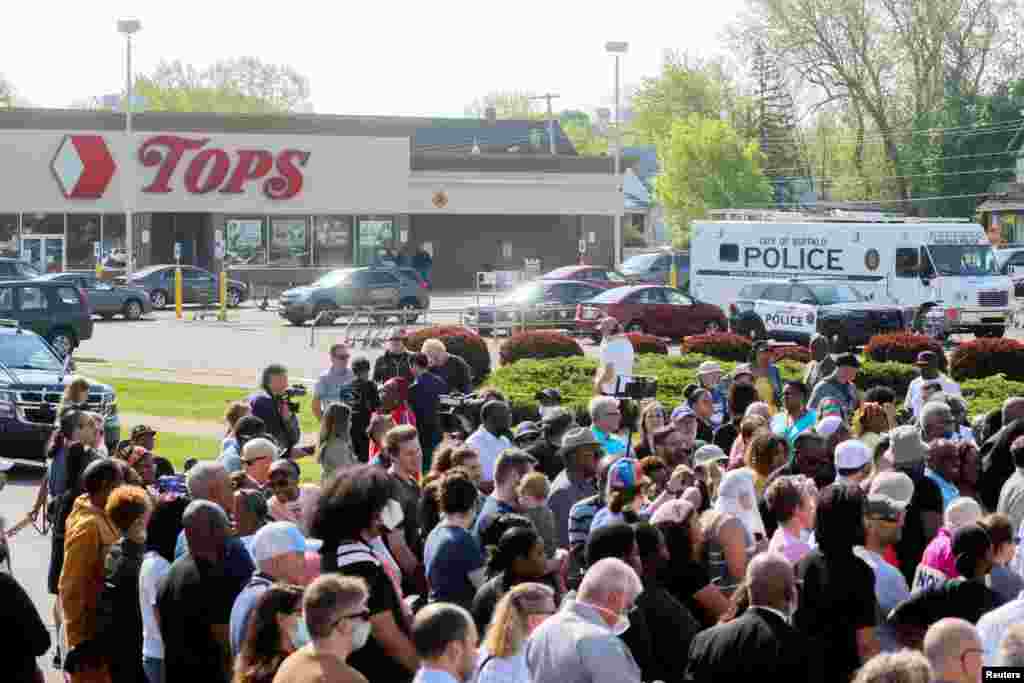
829	425
557	416
708	367
526	428
623	476
709	453
890	494
682	411
927	359
289	467
852	455
142	430
742	369
577	438
907	447
275	539
847	360
673	512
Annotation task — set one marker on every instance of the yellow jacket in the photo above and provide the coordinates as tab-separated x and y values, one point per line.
89	534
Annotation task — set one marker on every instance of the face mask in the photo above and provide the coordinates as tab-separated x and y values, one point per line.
360	633
299	634
392	515
546	410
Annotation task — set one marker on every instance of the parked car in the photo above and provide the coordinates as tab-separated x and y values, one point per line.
57	311
106	298
543	303
32	381
14	269
657	310
198	286
605	278
381	288
655	268
794	310
1010	261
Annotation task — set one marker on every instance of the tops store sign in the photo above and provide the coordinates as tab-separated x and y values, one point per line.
197	172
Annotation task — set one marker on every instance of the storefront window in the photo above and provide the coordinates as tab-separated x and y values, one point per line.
245	242
9	235
333	240
375	240
83	236
42	224
289	242
115	246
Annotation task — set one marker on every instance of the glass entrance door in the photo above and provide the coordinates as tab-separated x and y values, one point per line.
45	253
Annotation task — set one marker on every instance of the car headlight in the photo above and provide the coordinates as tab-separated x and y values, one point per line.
7	404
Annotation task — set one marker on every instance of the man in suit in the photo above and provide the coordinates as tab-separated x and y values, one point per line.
761	642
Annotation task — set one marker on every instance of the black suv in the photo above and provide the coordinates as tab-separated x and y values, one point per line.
32	381
794	310
57	311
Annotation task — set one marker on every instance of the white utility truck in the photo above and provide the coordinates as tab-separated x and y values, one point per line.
919	265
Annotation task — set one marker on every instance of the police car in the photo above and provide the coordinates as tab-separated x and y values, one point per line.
794	310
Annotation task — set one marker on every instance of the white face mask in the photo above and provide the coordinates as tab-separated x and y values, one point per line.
392	515
360	633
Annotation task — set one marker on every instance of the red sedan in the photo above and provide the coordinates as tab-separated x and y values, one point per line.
661	311
597	276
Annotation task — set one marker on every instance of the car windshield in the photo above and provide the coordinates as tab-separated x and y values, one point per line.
28	352
612	296
963	259
27	270
639	263
525	294
334	278
827	295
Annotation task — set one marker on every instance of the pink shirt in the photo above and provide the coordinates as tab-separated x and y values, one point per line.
939	554
792	547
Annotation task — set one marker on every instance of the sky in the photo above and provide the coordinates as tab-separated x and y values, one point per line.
384	57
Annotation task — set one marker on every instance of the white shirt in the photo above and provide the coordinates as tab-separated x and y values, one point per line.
993	625
488	447
502	669
154	568
617	351
914	400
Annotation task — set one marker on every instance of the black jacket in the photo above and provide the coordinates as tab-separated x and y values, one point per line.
671	627
22	632
997	463
392	365
286	433
759	645
118	613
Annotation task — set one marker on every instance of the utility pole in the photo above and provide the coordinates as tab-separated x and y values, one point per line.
551	119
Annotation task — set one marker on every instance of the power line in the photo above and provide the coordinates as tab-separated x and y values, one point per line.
951	131
769	171
911	175
879	201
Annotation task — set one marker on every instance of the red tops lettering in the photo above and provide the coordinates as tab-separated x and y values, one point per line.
212	169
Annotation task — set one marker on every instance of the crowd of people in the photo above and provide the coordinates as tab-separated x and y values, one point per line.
805	529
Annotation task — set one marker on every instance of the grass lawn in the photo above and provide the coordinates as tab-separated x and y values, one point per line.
180	447
188	401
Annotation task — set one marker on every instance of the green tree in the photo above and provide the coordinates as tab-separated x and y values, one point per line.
508	104
706	164
236	86
586	140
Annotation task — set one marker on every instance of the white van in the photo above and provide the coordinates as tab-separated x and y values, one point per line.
910	264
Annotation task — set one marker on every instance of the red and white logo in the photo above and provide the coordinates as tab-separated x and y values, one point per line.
83	166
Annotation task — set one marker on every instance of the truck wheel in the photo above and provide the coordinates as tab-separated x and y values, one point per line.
132	309
234	298
158	298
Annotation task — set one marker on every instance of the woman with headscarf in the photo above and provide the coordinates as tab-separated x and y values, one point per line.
733	530
821	365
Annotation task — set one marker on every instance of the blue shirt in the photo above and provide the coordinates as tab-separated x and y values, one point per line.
238	561
425	675
58	475
424	399
612	445
949	491
488	513
450	555
242	609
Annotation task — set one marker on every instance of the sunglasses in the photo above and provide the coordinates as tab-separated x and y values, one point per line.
362	616
253	461
341	357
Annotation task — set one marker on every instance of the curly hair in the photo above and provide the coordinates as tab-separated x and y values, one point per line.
126	505
871	417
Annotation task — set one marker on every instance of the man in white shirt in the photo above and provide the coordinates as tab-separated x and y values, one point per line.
490	439
993	626
616	358
928	363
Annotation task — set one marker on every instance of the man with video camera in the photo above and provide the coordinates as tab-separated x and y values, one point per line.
275	405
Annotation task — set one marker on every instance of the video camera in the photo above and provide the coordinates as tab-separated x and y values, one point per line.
460	413
635	387
291	393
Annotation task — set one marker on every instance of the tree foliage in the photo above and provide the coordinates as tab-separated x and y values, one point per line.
706	164
244	85
508	104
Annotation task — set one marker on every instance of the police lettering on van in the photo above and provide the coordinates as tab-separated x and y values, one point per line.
796	254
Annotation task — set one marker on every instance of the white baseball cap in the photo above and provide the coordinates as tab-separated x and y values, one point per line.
275	539
852	455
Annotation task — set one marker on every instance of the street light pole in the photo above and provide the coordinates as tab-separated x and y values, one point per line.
129	27
618	49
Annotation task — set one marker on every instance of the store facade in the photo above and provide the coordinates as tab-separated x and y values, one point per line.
281	200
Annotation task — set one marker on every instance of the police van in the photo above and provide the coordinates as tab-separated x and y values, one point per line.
796	310
912	264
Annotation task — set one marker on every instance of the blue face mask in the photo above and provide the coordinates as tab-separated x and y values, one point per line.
299	634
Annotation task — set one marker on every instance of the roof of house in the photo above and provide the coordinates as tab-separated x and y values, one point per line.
501	136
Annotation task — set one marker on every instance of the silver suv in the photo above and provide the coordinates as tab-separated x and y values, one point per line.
365	288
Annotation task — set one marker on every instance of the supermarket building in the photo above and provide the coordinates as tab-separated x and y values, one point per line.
281	200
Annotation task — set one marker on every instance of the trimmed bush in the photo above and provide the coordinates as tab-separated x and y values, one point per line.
902	347
723	346
896	376
986	357
539	345
985	395
647	343
459	341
